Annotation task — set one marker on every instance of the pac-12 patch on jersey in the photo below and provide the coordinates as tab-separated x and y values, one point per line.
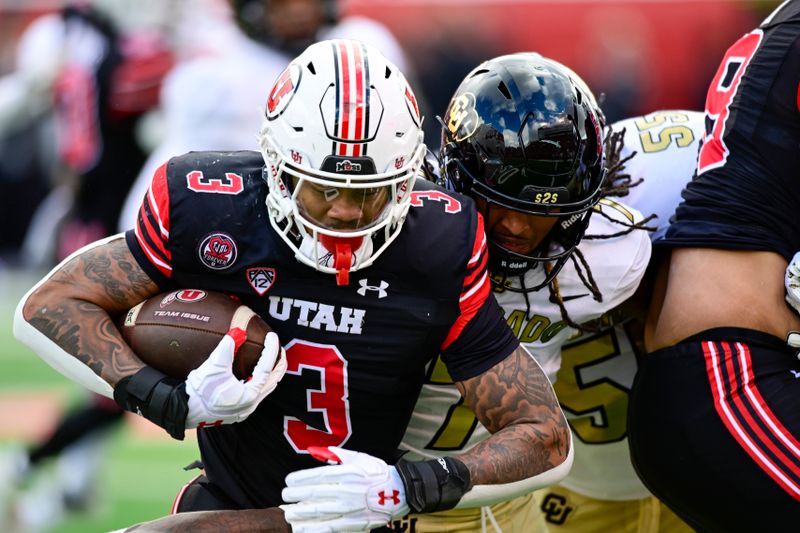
261	279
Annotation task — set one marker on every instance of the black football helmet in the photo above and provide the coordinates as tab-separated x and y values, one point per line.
525	133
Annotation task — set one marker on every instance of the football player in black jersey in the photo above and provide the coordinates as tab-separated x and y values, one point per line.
714	413
365	274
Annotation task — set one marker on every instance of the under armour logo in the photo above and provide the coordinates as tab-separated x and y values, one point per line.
395	497
381	288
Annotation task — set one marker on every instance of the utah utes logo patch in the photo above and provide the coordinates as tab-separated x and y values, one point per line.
283	91
261	279
218	251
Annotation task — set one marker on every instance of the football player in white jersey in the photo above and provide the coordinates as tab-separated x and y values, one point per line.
523	137
214	101
603	492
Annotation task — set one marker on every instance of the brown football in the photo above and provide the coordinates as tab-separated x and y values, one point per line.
175	332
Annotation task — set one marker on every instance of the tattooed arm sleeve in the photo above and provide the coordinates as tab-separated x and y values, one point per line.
530	446
66	317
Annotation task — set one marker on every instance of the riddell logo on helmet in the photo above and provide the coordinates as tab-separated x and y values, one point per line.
347	166
571	220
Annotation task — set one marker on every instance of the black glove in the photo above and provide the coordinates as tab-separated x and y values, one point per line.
435	485
157	397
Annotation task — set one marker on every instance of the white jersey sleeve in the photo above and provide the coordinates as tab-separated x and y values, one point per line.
597	370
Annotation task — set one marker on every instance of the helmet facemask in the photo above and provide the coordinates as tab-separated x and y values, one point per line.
520	134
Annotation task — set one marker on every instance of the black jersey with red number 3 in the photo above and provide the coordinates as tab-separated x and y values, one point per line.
356	353
746	194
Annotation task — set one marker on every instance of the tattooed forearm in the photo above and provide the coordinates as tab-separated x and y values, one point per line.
251	521
515	401
73	307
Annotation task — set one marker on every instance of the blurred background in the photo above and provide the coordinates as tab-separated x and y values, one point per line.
85	111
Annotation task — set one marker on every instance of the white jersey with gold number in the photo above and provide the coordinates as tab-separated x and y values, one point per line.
597	370
441	424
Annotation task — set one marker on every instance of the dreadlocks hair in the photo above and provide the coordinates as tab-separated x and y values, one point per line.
585	274
616	183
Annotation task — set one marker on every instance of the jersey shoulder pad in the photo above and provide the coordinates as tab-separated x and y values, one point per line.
617	263
610	215
204	187
242	162
442	231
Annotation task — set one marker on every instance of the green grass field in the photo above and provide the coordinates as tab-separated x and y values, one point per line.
141	474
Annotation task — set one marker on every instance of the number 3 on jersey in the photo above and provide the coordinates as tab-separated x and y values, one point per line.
714	152
451	205
330	399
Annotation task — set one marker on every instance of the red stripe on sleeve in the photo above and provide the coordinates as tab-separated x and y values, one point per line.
470	279
474	293
479	246
155	225
160	192
146	227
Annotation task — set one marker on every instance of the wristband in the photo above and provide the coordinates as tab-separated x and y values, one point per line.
157	397
435	485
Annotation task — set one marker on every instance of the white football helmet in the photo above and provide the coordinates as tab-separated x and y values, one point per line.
341	125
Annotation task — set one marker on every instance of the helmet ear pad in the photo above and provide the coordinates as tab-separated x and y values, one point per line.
522	133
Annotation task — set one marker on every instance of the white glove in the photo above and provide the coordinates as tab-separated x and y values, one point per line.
792	282
217	397
360	494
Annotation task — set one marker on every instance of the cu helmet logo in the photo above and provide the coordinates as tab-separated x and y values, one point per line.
462	118
282	92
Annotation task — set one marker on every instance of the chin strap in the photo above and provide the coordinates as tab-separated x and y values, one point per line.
342	259
342	250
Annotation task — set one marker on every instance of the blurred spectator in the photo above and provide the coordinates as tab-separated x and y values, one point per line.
642	54
96	68
70	114
224	86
